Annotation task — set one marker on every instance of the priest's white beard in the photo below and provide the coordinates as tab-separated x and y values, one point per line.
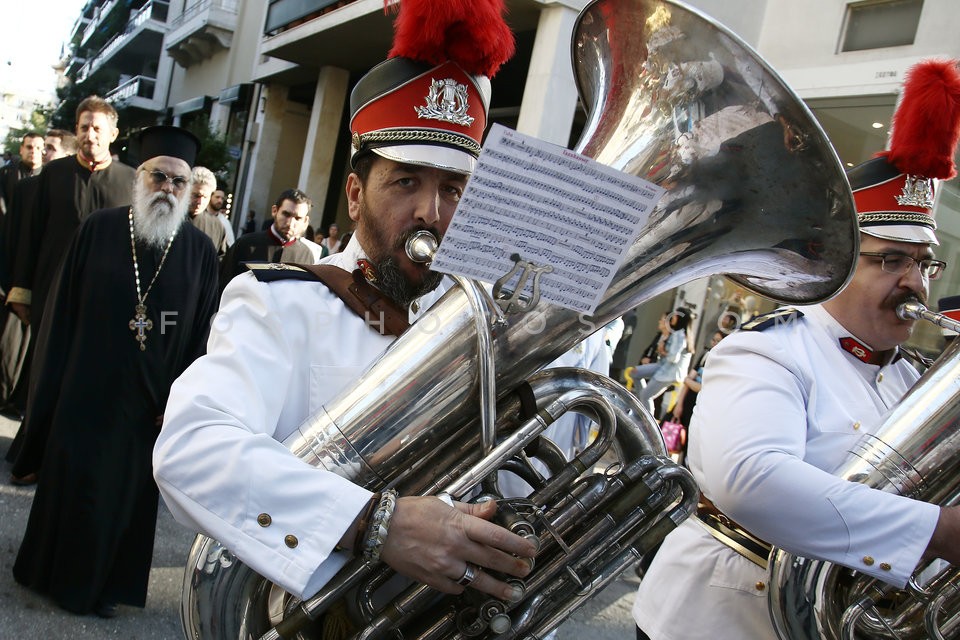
156	215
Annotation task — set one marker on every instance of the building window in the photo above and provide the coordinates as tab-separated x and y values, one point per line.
877	24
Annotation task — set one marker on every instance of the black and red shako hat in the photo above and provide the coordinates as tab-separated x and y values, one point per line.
894	192
428	103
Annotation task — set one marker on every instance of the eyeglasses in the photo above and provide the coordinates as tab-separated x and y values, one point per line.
160	179
899	264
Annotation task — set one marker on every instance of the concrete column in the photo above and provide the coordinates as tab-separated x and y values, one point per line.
268	132
329	101
550	95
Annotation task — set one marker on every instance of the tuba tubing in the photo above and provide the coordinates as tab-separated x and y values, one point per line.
914	453
767	202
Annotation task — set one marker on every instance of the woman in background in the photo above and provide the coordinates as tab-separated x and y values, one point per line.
673	344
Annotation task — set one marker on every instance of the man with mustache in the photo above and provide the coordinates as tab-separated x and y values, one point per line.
283	344
130	311
785	399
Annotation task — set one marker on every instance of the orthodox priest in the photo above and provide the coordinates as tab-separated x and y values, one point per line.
130	311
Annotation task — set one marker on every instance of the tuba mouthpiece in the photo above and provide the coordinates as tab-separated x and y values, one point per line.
911	310
421	247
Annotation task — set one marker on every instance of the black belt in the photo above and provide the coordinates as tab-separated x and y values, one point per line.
731	534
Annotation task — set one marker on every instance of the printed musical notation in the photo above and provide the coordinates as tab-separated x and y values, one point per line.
549	206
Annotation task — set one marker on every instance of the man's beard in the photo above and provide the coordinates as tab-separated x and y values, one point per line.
397	287
391	279
156	215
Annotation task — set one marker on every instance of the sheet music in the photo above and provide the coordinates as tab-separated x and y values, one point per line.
551	206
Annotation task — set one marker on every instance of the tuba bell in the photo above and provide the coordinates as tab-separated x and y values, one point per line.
914	453
753	189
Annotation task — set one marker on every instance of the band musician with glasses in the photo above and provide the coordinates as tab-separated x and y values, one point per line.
786	397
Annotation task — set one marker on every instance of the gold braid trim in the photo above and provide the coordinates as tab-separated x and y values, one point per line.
900	218
406	136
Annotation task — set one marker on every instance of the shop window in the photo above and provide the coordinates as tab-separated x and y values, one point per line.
878	24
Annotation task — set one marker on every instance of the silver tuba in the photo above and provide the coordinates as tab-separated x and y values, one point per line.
914	453
754	189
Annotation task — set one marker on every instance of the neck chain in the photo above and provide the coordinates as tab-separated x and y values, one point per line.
140	323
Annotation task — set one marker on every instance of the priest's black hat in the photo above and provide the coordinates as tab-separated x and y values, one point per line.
165	140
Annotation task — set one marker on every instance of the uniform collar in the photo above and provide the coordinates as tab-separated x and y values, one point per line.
92	165
864	353
852	345
276	237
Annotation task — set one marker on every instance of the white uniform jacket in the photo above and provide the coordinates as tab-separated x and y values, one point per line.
277	351
778	411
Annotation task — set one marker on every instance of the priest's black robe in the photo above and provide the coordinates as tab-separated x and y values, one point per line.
15	336
261	246
94	413
68	192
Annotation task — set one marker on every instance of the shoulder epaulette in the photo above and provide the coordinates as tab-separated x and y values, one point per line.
273	271
767	320
379	312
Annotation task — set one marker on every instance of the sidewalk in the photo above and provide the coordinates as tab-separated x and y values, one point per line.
26	614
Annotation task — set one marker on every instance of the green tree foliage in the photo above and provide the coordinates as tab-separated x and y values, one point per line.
214	150
37	123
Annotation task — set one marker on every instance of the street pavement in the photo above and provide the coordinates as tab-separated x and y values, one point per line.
24	613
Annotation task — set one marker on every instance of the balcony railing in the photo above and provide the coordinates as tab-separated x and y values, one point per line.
155	10
284	14
201	31
80	26
136	87
229	6
100	14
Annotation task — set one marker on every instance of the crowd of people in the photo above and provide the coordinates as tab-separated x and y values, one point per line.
98	257
146	346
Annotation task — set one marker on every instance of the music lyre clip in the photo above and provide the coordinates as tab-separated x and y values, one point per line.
515	302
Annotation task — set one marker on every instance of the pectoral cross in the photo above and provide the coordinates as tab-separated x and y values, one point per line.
141	324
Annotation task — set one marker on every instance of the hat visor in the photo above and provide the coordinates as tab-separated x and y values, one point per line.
902	233
430	156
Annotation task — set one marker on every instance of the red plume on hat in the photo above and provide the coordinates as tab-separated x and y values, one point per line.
895	191
471	33
926	125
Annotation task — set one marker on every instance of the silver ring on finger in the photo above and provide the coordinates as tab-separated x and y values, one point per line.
469	575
